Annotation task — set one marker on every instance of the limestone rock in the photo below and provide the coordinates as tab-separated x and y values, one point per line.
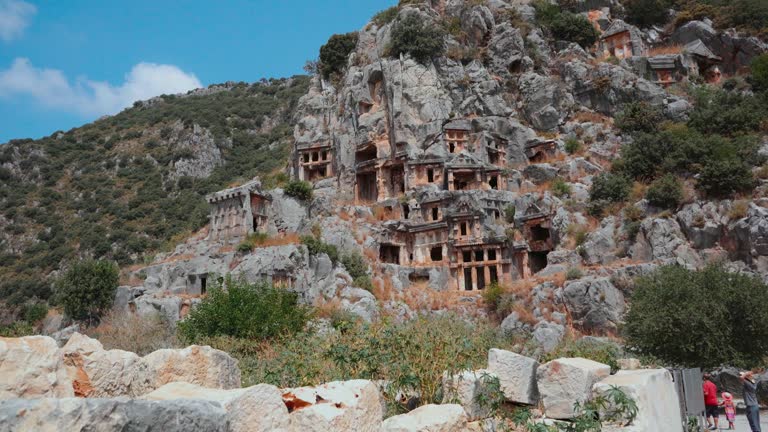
32	367
548	335
564	381
703	223
428	418
517	375
339	405
111	415
259	408
96	372
465	388
600	246
654	393
545	100
594	303
195	364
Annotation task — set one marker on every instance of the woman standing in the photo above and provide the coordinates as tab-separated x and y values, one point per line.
750	399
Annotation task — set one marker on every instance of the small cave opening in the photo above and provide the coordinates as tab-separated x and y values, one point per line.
537	261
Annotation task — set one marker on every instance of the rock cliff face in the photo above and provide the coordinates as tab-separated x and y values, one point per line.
458	172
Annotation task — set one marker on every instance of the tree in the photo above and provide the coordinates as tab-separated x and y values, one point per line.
700	318
421	39
334	54
239	309
647	13
666	192
609	187
723	177
87	289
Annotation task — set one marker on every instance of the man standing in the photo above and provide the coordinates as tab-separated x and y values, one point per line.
710	402
750	400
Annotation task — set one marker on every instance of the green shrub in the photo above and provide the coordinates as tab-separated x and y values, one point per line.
17	329
666	192
609	188
725	177
759	72
242	310
574	28
573	273
560	188
665	318
647	13
299	189
355	264
385	17
35	312
412	35
509	213
639	117
245	246
316	247
572	145
726	113
335	52
87	289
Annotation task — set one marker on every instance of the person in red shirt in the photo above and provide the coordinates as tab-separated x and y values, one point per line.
710	402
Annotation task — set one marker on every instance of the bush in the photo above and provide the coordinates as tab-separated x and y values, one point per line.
666	192
572	145
422	40
141	334
700	318
724	177
573	273
639	117
299	189
509	213
646	13
355	264
574	28
242	310
497	301
560	188
316	247
34	312
610	188
759	70
335	52
727	113
385	17
87	289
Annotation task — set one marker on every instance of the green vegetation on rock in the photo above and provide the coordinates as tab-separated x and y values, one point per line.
87	289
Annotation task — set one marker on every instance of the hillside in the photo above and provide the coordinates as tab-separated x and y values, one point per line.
127	185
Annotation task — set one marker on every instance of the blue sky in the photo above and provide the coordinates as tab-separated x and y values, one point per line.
65	63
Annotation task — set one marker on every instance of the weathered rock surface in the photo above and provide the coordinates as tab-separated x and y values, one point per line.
594	303
517	375
32	367
96	372
339	405
548	335
565	381
429	418
259	408
111	415
200	365
653	391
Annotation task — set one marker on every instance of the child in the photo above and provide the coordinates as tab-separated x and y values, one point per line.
730	409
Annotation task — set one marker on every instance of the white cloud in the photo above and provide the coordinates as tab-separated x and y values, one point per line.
14	18
52	89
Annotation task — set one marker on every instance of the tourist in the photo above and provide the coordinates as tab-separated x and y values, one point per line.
750	400
710	402
730	409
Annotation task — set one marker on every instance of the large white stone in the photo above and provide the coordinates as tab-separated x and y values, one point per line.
654	393
565	381
195	364
96	372
429	418
259	408
517	375
32	367
464	388
336	406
